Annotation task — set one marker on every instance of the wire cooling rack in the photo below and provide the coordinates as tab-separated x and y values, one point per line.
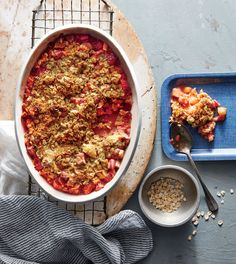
49	15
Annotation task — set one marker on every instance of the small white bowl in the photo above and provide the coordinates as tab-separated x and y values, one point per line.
191	192
41	45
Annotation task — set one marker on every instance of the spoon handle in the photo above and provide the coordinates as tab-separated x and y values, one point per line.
211	202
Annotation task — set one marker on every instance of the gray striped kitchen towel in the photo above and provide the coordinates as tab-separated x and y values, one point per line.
33	230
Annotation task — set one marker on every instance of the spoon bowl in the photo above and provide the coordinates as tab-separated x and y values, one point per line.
181	139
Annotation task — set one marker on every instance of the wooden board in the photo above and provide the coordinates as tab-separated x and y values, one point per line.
15	34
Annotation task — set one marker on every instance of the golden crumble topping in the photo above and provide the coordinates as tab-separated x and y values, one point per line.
77	114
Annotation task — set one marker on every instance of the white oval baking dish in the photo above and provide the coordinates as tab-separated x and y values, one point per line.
136	112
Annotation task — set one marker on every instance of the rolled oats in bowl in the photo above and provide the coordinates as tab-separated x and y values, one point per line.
169	196
166	194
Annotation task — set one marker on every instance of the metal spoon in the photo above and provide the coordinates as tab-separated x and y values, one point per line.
181	140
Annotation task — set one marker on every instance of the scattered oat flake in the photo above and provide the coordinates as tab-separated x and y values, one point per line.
194	219
213	216
209	213
220	222
206	217
218	194
194	232
222	193
198	214
189	238
196	222
231	191
222	201
202	213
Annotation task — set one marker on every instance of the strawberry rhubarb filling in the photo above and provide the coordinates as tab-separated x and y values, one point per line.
197	109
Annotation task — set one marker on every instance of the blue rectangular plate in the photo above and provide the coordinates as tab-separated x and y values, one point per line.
220	86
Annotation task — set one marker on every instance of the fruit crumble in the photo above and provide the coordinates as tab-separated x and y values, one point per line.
77	114
197	109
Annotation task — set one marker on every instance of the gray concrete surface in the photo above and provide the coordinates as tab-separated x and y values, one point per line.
183	37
